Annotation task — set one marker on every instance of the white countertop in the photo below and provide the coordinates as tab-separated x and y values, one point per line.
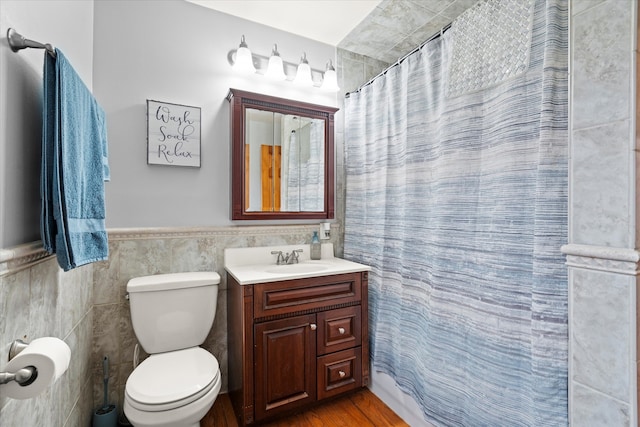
257	265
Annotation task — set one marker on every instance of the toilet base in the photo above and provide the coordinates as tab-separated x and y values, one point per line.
184	416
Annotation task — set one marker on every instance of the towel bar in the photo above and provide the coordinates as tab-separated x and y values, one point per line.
17	42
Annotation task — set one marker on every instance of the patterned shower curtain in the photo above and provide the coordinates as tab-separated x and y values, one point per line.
312	173
303	176
457	198
290	182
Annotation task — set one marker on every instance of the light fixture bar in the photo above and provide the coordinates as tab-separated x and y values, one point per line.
262	64
289	71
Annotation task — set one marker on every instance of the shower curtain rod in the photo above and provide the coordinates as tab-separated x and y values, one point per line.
399	61
18	42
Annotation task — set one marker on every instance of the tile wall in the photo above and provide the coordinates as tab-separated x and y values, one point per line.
353	70
38	299
601	254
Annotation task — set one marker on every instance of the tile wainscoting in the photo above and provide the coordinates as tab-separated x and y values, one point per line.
87	307
38	299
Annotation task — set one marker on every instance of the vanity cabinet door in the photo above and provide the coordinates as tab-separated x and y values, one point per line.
285	364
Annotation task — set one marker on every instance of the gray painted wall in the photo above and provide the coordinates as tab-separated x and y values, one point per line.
69	26
142	51
40	300
131	52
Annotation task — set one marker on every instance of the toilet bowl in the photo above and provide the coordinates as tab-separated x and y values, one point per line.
174	389
179	381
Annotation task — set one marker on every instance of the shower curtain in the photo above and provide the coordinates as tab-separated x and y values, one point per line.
290	182
456	196
312	174
302	184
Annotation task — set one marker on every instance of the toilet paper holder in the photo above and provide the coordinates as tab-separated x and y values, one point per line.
24	376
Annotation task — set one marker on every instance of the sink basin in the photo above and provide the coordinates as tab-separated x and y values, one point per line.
250	266
295	268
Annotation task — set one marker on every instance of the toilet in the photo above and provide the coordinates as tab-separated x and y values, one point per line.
172	315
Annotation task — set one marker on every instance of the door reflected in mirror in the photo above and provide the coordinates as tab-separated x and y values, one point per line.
282	166
284	160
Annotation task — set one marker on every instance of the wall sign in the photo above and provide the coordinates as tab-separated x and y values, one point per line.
173	134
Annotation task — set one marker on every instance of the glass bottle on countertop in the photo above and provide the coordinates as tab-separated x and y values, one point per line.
315	246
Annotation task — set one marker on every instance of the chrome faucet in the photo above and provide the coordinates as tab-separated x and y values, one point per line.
280	260
293	257
289	258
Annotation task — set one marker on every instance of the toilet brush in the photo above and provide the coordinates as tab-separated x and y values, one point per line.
107	416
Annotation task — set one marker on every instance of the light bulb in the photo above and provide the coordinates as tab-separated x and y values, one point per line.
303	75
244	60
330	82
275	69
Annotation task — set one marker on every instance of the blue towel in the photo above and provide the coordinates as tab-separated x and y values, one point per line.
49	129
74	168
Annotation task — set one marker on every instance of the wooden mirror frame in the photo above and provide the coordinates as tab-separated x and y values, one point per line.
239	101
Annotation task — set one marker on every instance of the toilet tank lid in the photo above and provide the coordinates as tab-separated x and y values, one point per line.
162	282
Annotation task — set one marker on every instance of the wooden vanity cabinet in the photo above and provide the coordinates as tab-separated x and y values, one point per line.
295	342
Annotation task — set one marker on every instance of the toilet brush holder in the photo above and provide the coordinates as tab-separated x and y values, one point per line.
107	415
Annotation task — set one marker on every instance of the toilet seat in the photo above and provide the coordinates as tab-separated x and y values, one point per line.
170	380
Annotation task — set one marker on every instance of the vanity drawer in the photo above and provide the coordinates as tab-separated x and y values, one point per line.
290	296
339	329
339	372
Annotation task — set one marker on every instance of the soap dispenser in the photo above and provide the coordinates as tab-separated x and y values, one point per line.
315	246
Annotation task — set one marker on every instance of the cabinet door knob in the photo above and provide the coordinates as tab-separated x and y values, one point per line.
341	373
341	330
313	326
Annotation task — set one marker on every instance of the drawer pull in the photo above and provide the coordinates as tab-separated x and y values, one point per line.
313	326
342	374
341	330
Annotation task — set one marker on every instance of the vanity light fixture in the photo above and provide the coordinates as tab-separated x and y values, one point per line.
244	60
303	75
275	69
330	82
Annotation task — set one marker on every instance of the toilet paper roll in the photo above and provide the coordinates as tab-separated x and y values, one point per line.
49	355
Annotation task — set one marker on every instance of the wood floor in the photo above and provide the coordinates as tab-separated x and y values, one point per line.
361	409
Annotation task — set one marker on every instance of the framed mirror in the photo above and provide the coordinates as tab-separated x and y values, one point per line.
282	158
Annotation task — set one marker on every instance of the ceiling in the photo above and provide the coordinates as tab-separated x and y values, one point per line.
396	27
382	29
327	21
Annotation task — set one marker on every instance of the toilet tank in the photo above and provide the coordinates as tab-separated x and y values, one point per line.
173	311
